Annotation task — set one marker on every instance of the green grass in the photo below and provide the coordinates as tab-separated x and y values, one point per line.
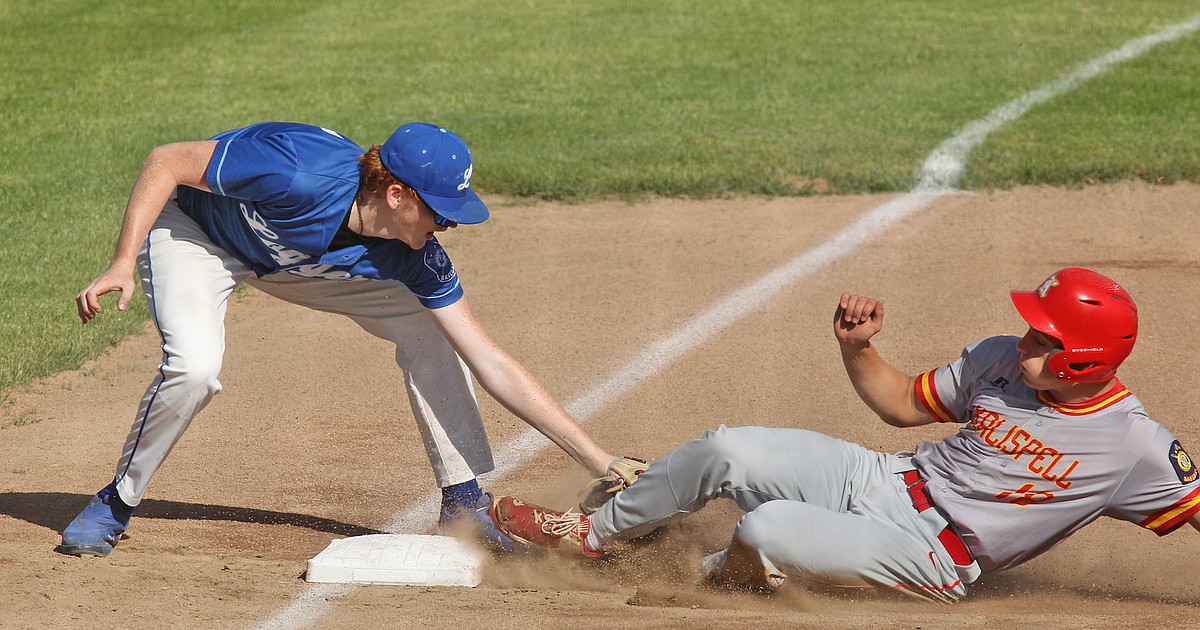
1138	122
566	99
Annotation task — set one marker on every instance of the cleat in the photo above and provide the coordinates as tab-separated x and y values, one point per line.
457	517
98	528
710	565
536	526
739	567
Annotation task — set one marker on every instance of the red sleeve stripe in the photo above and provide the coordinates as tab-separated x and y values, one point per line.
1168	520
928	397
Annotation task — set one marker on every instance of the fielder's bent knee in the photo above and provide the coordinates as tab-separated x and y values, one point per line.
196	375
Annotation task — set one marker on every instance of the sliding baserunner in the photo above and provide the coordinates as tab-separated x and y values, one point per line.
1049	440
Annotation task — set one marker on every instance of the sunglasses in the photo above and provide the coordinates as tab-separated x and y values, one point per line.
442	221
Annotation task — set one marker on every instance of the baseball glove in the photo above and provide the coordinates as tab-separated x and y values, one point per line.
622	472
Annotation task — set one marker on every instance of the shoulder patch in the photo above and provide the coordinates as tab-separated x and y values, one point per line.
438	262
1184	466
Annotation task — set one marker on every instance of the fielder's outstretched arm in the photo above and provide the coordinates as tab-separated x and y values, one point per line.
1195	521
166	167
514	387
886	390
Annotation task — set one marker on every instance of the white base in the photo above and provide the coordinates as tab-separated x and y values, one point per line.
397	559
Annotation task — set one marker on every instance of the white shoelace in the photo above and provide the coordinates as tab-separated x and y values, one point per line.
562	524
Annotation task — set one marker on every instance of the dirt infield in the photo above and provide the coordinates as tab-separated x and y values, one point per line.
312	438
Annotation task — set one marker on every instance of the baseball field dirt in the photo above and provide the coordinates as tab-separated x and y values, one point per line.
313	439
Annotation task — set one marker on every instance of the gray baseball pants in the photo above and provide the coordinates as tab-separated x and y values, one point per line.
819	508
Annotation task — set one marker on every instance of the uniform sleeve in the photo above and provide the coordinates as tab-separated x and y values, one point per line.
254	168
436	284
946	392
1162	490
428	273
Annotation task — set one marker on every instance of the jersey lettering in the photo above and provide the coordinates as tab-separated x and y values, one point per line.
985	422
1017	442
1035	464
1034	446
320	271
280	253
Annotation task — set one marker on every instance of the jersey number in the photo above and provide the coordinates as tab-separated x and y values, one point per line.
1025	495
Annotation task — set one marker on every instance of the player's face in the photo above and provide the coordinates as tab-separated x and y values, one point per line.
1035	349
411	220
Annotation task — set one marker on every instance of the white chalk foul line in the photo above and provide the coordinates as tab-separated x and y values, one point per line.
944	166
939	176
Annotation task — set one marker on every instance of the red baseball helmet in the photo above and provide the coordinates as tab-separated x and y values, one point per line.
1093	317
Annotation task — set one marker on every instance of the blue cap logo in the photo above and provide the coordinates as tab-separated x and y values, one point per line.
436	164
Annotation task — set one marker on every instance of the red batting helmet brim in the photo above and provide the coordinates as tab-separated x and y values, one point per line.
1033	310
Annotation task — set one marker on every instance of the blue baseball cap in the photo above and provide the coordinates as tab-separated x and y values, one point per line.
435	163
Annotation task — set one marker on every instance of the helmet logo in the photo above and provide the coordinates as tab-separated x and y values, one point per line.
1044	287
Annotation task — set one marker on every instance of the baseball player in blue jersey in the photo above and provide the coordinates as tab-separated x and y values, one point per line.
304	214
1048	440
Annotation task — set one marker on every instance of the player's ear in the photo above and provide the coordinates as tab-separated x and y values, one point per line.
394	196
399	194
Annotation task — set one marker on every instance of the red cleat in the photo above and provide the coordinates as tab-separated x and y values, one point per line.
536	526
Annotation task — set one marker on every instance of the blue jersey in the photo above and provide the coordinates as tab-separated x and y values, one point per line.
281	191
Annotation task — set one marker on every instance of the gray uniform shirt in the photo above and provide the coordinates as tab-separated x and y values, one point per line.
1024	471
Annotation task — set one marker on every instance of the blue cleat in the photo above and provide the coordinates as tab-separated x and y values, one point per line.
98	527
474	517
